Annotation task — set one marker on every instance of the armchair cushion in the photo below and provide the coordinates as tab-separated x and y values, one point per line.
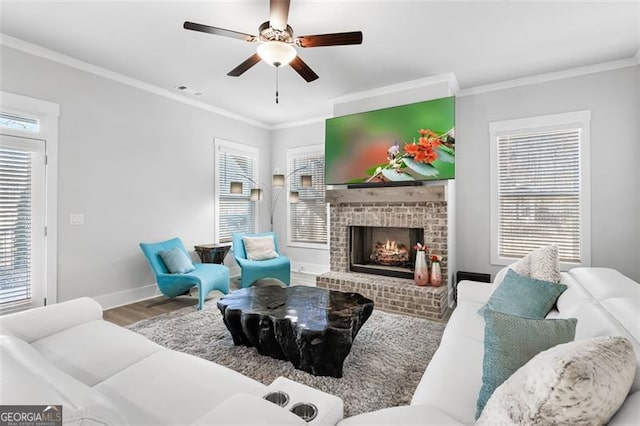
176	261
278	267
260	248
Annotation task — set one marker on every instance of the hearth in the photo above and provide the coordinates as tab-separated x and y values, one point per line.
382	250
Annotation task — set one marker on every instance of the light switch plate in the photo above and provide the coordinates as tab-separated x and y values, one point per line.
76	219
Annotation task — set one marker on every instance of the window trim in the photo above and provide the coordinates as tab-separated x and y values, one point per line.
224	145
578	119
291	154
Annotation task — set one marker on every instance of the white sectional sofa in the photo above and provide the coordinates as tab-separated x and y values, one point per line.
605	302
104	374
66	354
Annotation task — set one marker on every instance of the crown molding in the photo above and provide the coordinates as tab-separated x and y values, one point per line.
52	55
552	76
448	78
298	123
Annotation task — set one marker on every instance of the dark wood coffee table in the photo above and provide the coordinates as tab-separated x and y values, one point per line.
312	327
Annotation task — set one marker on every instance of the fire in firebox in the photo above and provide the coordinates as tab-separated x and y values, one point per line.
390	254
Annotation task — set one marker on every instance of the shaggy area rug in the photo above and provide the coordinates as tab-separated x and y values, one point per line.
387	359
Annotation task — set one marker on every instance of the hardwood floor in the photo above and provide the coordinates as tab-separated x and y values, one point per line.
134	312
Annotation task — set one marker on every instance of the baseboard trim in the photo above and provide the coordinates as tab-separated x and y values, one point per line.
125	297
309	268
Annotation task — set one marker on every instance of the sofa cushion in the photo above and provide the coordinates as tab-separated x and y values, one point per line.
605	283
95	350
170	387
510	341
465	322
176	260
606	304
581	382
542	263
26	377
34	324
473	291
453	378
524	296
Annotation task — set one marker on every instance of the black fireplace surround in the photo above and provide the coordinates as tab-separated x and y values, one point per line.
383	250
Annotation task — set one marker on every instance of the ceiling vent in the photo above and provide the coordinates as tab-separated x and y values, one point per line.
189	90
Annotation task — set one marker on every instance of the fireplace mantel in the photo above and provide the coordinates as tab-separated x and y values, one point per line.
397	194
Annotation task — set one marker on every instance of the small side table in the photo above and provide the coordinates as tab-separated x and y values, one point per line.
212	253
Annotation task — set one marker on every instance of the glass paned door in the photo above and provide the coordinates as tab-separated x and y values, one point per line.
22	222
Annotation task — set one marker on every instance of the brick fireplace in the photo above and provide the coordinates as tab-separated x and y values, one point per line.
420	207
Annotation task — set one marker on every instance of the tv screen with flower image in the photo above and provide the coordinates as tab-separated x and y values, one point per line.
408	143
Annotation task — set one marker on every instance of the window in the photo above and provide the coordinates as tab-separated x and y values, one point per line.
22	179
29	126
540	187
234	212
12	121
307	217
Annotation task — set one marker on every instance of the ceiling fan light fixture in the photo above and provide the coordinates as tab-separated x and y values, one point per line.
276	53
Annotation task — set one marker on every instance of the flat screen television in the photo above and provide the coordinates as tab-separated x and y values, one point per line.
407	143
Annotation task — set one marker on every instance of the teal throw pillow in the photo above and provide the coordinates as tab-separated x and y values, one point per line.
511	341
176	261
524	296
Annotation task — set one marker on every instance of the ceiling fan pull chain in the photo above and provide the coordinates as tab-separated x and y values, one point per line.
277	84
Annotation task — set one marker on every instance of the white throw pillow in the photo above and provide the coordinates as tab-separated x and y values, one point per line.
542	264
260	248
580	382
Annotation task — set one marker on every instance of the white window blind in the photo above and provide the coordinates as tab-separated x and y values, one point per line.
539	192
308	217
15	226
236	212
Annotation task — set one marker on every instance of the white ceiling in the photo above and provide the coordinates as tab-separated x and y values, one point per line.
480	41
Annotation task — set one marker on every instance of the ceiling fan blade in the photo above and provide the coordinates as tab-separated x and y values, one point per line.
303	69
335	39
278	14
218	31
248	63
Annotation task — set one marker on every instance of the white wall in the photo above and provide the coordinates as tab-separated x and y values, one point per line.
138	165
613	100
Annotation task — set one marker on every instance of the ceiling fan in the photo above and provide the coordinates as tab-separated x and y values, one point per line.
276	41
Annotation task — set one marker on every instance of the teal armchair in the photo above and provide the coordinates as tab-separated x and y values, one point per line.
253	270
206	277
